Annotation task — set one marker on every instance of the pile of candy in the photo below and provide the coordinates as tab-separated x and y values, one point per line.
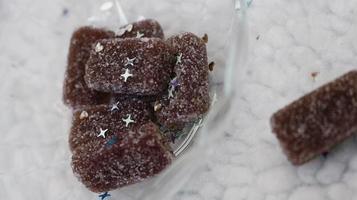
124	88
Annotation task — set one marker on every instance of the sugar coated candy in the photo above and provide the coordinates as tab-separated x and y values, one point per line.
144	28
75	91
135	155
187	96
313	124
132	66
88	121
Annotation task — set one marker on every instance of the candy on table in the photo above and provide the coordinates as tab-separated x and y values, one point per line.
318	121
88	122
132	66
75	91
144	28
187	97
122	158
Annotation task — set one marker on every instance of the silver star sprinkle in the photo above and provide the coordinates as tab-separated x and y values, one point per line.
174	82
179	59
139	35
99	47
171	92
128	120
129	62
115	106
126	75
102	132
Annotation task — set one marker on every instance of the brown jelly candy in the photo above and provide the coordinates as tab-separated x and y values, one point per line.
144	28
132	66
75	91
88	121
313	124
187	96
108	154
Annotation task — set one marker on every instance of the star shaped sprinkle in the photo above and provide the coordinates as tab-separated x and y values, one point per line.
112	141
129	62
139	35
102	132
173	138
115	106
99	47
128	120
174	82
126	75
104	196
171	92
179	59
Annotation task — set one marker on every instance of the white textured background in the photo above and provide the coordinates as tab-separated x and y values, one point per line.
289	40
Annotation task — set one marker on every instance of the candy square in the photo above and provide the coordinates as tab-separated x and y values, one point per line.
134	156
76	94
187	97
313	124
88	121
130	66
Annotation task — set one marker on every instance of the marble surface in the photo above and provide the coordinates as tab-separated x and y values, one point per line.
289	40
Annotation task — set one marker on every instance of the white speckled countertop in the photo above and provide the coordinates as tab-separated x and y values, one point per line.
289	40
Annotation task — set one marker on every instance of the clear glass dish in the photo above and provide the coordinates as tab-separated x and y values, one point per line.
36	123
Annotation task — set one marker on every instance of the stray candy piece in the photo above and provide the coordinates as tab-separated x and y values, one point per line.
75	91
144	28
211	66
188	93
205	38
319	120
136	154
157	106
83	115
130	66
103	121
314	75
